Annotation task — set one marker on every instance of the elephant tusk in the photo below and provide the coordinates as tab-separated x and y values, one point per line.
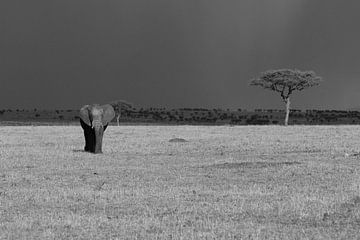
97	124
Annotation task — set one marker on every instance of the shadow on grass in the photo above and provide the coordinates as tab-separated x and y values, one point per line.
252	165
79	150
175	140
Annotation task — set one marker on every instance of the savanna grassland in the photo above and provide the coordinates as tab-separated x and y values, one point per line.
243	182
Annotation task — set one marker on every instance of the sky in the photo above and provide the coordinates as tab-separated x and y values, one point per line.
170	53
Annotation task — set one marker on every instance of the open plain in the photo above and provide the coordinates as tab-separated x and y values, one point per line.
222	182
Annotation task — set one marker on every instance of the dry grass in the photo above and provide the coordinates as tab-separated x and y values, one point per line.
268	182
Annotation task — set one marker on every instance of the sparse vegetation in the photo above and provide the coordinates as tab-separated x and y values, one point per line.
265	182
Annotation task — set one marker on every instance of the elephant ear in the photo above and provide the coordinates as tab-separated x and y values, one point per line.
84	114
109	114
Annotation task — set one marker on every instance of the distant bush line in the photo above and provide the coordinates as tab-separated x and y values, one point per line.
214	116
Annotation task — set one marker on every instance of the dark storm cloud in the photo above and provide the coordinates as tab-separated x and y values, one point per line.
62	54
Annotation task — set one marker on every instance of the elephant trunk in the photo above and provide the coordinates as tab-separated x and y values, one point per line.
99	132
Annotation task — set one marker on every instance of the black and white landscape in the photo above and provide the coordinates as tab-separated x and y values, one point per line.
237	119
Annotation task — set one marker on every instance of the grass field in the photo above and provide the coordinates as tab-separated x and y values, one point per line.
249	182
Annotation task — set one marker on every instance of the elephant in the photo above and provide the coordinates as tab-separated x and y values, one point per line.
94	120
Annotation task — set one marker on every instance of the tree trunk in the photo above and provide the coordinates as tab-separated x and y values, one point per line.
118	119
287	101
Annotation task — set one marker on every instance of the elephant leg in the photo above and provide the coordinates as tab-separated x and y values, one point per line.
91	140
89	135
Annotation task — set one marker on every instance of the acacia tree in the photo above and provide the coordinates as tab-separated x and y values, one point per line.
120	105
286	81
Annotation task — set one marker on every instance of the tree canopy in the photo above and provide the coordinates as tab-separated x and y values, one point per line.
285	81
121	105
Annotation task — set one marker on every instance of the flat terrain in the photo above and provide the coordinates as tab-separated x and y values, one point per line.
223	182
